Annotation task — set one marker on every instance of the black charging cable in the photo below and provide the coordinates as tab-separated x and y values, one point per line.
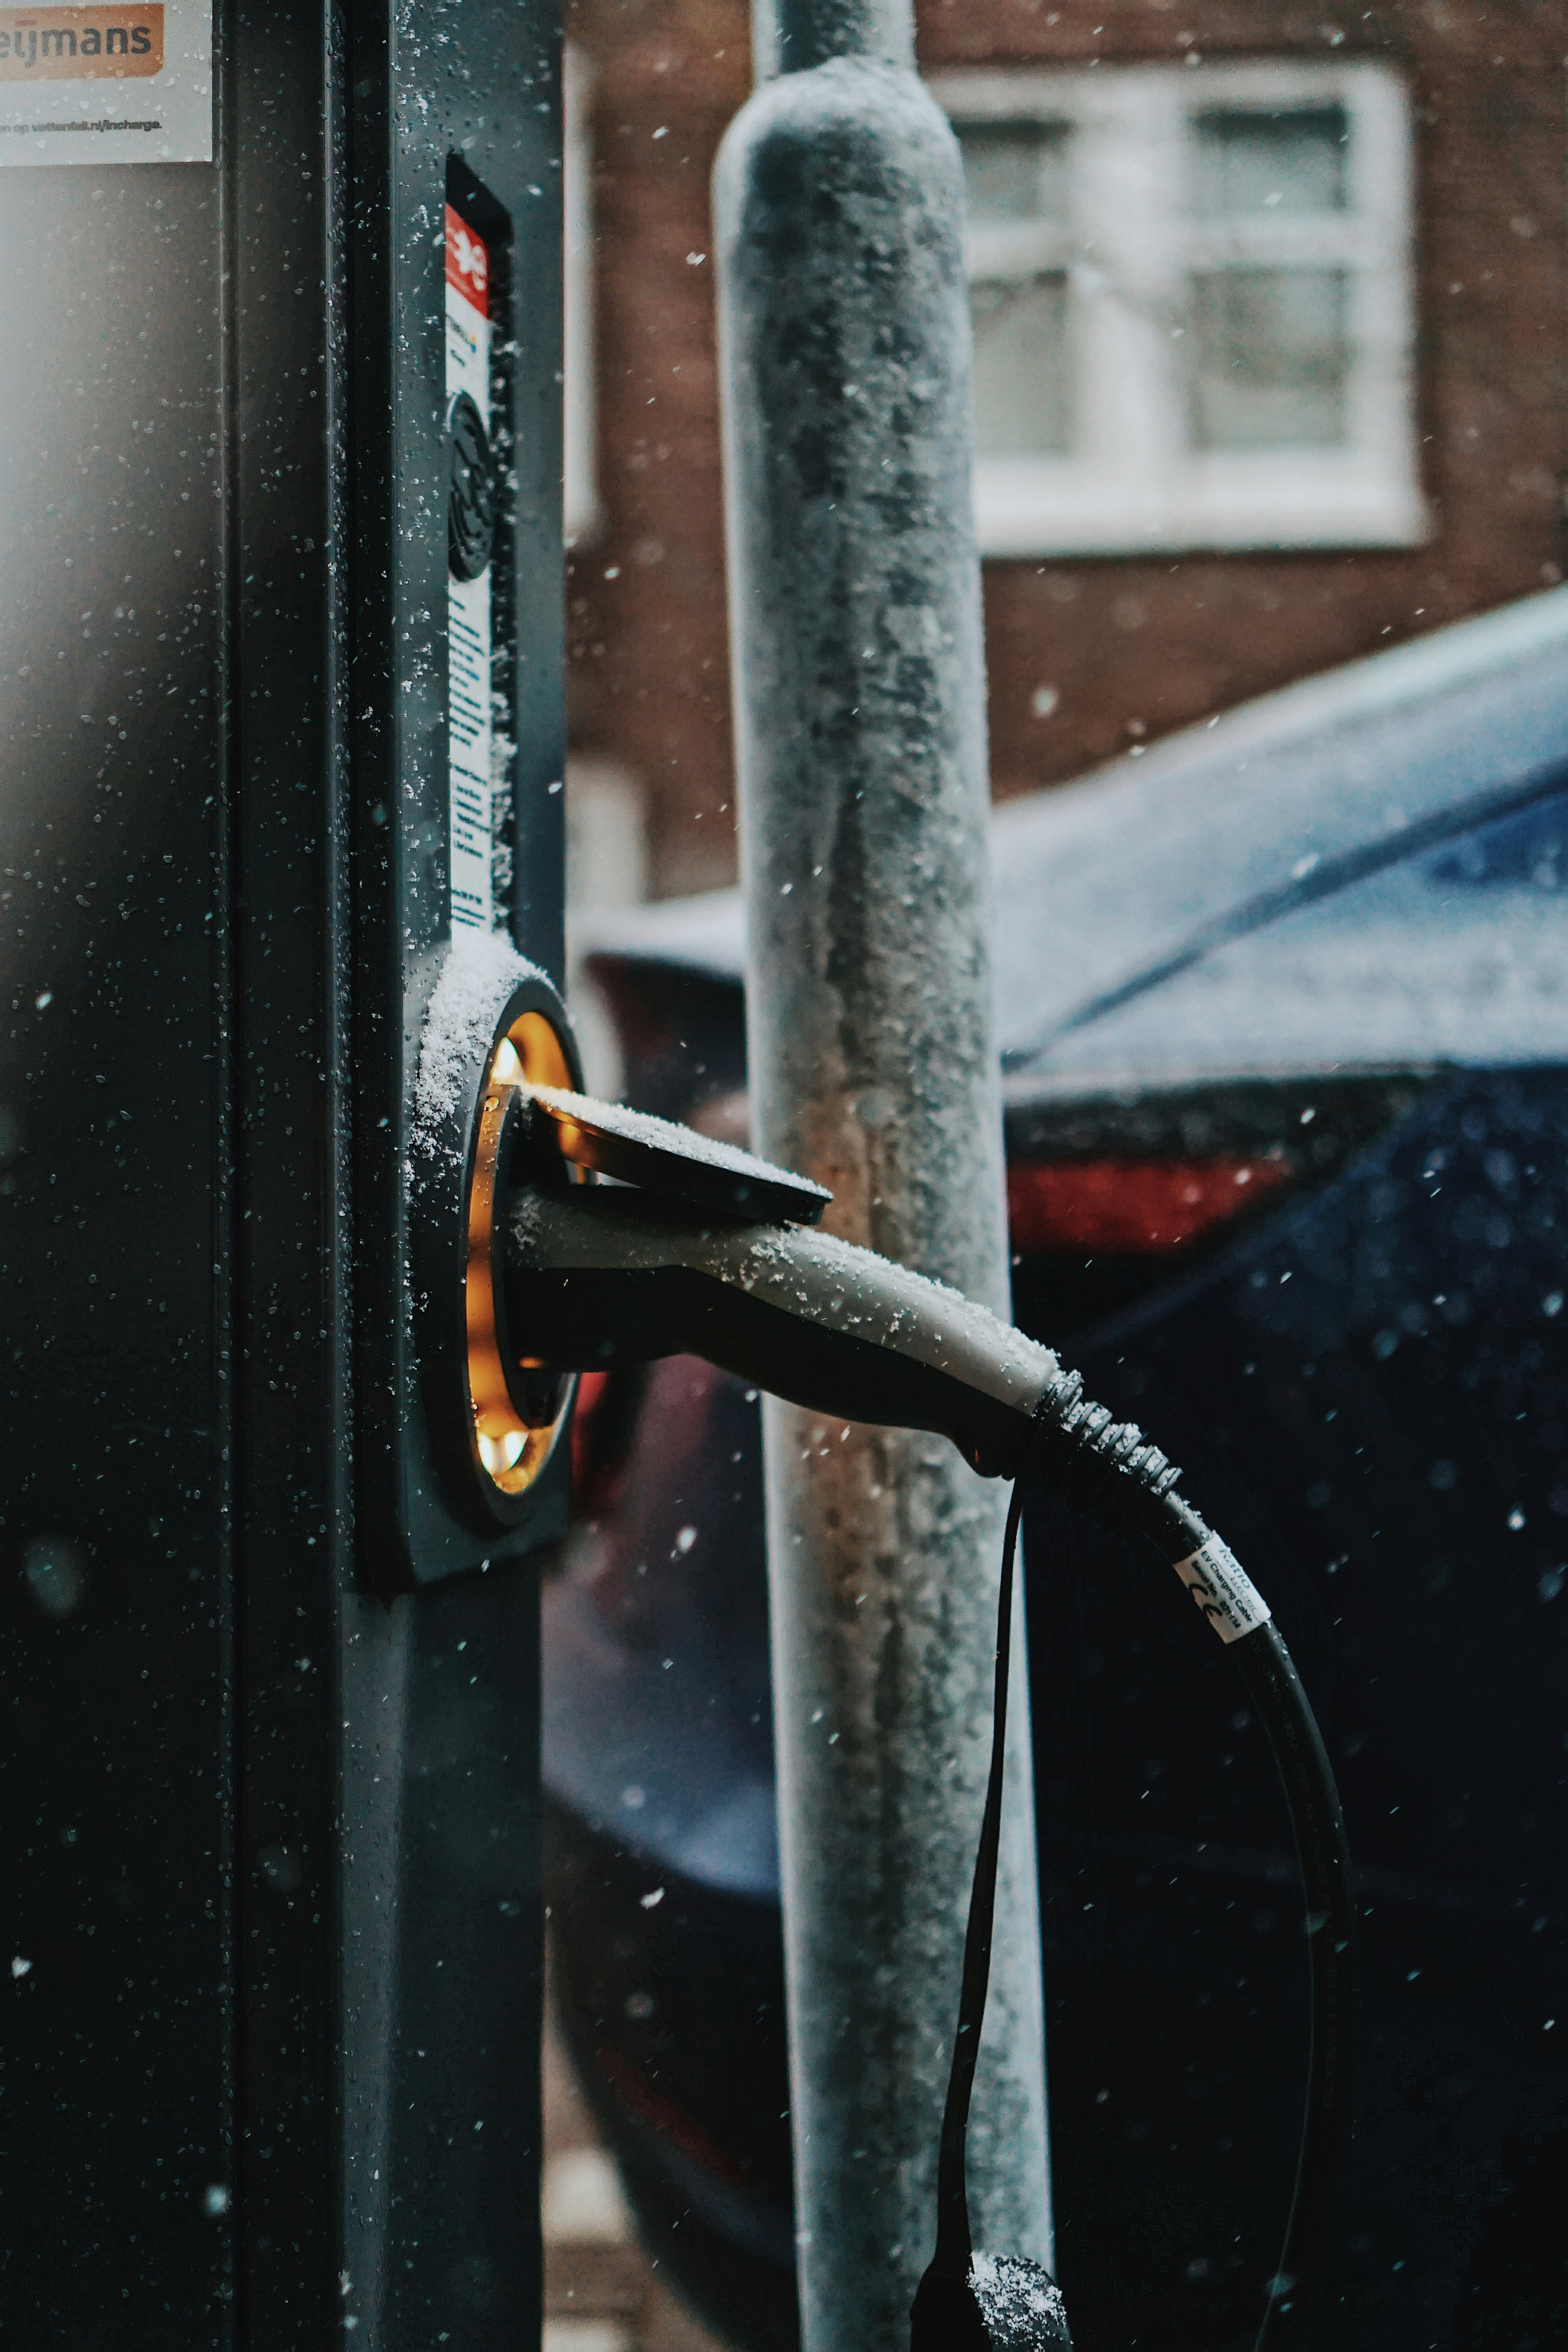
966	2302
691	1250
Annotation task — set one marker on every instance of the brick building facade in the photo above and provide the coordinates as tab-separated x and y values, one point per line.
1126	615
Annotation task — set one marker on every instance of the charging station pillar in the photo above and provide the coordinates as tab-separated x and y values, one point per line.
856	637
280	715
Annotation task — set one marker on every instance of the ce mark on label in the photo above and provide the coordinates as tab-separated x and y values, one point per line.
1223	1590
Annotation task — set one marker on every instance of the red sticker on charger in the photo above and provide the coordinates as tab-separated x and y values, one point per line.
467	263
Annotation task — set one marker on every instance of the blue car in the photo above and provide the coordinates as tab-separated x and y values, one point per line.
1283	1010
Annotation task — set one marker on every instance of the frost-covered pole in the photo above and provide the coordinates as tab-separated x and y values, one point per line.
861	735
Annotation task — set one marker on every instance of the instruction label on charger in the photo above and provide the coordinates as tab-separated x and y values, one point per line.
107	85
471	542
1223	1590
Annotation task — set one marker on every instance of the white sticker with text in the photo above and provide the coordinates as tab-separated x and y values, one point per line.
107	85
472	811
1223	1590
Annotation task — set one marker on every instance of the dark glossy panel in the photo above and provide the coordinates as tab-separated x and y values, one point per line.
292	1330
233	1928
463	2233
357	1953
114	1530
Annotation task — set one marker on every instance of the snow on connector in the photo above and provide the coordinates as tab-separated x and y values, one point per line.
1020	2302
482	971
638	1148
1006	2303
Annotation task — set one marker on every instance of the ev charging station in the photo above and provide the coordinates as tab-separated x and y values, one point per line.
301	1250
281	718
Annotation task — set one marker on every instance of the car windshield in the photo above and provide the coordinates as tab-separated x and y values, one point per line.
1455	954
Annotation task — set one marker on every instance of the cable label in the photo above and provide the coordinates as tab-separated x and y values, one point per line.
1223	1590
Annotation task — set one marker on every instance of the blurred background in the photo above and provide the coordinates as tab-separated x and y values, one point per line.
1268	303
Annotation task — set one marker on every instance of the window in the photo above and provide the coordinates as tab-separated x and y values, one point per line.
1193	306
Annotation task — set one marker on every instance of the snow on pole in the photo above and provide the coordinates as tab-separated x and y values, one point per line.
860	736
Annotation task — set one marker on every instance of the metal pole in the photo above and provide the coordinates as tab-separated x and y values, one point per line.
855	639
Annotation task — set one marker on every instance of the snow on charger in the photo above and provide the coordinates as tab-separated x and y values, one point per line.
1223	1590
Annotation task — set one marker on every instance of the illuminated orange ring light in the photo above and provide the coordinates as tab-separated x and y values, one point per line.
512	1451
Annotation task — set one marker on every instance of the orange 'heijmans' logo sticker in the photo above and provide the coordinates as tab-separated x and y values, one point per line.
81	44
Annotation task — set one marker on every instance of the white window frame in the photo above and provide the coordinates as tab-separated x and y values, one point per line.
1133	484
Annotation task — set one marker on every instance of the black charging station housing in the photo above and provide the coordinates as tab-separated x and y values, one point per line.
268	1704
422	1516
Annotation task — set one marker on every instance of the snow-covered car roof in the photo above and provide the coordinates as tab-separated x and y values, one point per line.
1276	885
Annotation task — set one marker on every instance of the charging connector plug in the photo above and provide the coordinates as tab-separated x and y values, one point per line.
668	1258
